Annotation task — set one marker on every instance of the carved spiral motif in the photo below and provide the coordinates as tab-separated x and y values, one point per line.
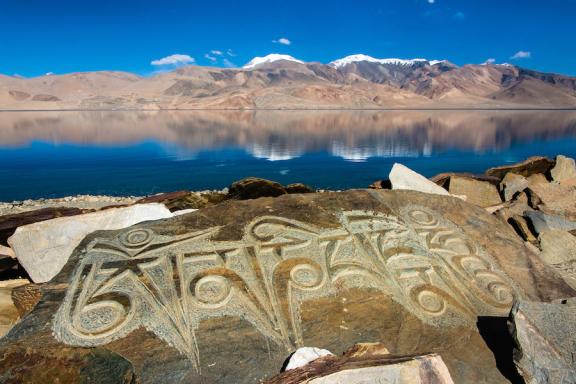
422	218
137	238
306	275
431	302
212	289
100	317
498	291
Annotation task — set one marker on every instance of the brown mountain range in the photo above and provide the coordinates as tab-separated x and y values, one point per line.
285	84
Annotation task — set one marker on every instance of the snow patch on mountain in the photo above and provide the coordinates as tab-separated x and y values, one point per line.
392	61
270	59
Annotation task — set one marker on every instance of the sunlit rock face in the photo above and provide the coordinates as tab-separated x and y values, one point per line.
227	292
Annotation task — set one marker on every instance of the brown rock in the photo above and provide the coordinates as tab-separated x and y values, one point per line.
381	184
565	169
530	166
8	312
25	298
225	293
522	228
181	200
299	188
477	192
556	199
367	349
443	179
253	188
559	252
545	336
512	184
9	223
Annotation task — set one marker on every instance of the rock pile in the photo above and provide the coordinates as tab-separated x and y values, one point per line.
399	285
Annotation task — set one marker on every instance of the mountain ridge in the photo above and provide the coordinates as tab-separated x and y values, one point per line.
284	82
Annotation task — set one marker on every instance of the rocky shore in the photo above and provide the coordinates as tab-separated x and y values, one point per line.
459	278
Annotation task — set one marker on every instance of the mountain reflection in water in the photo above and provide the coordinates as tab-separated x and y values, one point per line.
62	153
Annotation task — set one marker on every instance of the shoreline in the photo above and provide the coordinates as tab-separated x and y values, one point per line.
294	109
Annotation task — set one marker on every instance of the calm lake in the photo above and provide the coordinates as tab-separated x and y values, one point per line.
54	154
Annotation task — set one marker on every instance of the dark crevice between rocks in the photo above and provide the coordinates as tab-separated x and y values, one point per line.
494	331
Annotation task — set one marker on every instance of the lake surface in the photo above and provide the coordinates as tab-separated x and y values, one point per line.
54	154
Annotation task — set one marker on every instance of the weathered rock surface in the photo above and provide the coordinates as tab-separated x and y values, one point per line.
25	297
403	178
559	252
225	293
184	200
299	188
564	169
528	167
368	368
253	188
521	226
556	199
43	248
8	312
542	222
481	193
512	184
545	335
443	179
9	223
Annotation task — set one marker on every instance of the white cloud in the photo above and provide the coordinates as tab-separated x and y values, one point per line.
211	58
230	53
176	59
431	1
283	41
228	64
490	61
521	55
216	52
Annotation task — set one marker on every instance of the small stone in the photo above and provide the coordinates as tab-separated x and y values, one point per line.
177	201
559	252
7	251
564	169
477	192
545	337
305	355
403	177
530	166
253	188
381	184
367	349
299	188
522	228
512	184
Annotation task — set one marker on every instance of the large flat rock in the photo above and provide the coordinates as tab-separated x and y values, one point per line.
226	293
43	248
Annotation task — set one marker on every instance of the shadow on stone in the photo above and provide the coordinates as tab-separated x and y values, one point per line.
494	331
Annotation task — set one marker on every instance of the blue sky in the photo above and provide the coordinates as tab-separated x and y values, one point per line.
60	36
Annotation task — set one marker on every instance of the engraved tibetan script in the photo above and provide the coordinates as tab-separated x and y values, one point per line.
170	284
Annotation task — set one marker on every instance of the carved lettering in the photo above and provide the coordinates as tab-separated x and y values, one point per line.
170	284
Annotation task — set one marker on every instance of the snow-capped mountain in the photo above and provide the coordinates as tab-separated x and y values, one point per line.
340	63
270	59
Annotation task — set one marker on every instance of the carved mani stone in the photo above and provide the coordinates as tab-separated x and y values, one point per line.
224	294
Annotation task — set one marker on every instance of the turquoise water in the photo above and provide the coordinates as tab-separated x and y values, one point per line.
54	154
